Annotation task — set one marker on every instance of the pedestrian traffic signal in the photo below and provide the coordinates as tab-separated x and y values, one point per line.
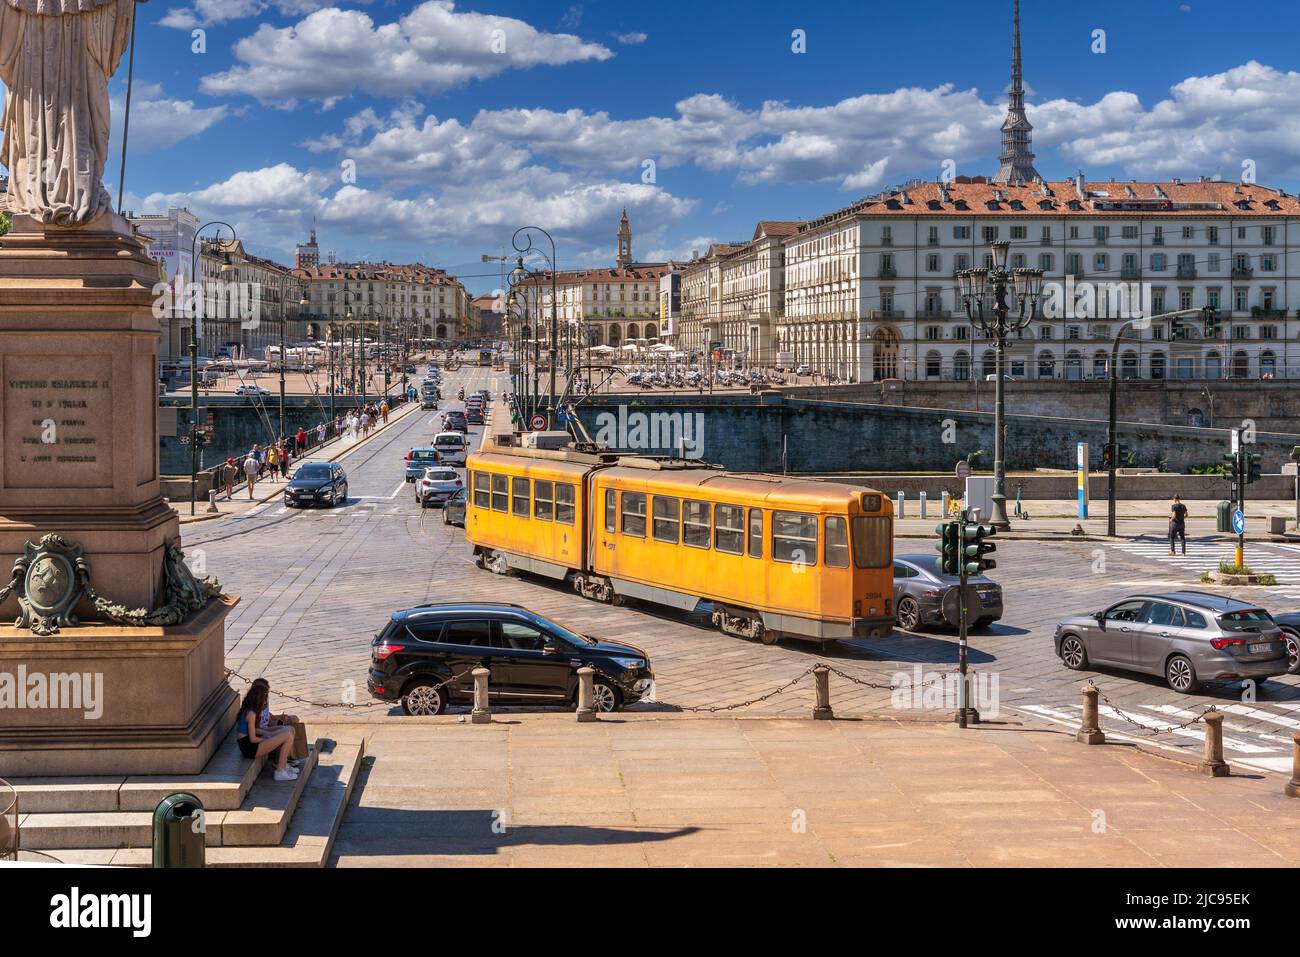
1254	467
949	547
975	547
1107	456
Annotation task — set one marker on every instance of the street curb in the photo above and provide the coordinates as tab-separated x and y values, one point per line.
393	419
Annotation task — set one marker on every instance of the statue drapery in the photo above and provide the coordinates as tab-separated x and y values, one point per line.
56	57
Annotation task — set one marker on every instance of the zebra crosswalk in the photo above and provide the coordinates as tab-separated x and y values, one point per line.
1279	560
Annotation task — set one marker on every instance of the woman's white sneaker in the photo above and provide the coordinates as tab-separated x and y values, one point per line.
286	774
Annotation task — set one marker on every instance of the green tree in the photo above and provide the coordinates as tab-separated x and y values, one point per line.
4	224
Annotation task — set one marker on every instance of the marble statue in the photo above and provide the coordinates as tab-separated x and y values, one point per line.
56	57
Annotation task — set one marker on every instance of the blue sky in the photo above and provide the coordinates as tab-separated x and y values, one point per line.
457	134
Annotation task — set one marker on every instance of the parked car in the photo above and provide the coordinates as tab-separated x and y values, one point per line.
437	485
453	511
804	370
419	459
1188	637
317	483
249	389
452	447
922	589
424	656
455	421
1289	622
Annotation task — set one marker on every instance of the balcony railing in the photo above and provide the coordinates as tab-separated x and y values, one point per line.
886	314
887	272
1186	272
1242	272
1130	272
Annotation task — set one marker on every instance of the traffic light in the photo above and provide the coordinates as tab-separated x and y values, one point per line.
1233	463
974	548
949	547
1254	467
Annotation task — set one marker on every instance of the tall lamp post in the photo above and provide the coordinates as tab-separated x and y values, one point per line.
984	297
196	309
525	234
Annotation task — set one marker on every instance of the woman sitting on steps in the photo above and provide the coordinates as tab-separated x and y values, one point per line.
253	741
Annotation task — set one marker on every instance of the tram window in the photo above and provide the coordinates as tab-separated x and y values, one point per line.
519	496
667	519
729	529
611	509
794	538
755	533
872	541
500	492
543	500
634	514
837	542
482	490
695	531
564	504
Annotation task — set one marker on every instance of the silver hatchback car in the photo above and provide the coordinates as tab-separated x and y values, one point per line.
1186	637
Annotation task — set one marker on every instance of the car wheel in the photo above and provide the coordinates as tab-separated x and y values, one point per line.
909	614
1073	653
1292	640
1180	675
425	697
605	697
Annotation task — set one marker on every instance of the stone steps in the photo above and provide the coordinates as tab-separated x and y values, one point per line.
223	786
307	842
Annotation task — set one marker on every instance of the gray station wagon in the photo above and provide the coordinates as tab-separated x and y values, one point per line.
1187	637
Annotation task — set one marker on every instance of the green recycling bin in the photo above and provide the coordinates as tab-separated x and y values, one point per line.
1223	516
179	838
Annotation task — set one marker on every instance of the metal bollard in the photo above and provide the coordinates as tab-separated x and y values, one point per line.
1091	732
1293	786
1214	765
900	511
921	496
482	713
823	712
212	501
586	695
944	504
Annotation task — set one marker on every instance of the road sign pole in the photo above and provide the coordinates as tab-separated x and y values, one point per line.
963	688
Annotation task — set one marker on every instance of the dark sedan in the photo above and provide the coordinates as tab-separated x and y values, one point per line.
925	595
424	658
1289	622
317	483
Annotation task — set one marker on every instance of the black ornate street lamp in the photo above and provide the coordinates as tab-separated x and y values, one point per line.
984	296
196	308
525	233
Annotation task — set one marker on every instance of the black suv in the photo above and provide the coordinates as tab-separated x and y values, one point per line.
317	483
424	657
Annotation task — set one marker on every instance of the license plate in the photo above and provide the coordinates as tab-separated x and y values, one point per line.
1260	649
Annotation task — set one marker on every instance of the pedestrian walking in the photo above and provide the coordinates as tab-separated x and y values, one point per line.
300	441
286	456
229	473
383	410
365	424
250	472
320	434
273	460
1177	524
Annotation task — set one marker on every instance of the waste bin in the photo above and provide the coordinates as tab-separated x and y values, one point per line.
1224	517
178	832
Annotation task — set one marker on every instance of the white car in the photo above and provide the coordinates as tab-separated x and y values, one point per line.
251	390
803	370
453	447
437	485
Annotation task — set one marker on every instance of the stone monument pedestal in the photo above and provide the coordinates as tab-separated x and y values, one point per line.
107	699
79	459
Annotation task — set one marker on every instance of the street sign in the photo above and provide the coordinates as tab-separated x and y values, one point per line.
1239	522
537	422
963	469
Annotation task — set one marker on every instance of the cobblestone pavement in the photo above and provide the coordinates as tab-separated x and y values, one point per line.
317	585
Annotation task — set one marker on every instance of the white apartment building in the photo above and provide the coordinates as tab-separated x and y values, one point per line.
386	297
595	307
871	291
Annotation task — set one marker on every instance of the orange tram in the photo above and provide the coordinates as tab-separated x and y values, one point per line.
769	556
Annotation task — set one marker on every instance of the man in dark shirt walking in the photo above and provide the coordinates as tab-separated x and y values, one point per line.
1177	524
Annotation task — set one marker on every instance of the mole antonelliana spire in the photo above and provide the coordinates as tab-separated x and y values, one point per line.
1017	159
